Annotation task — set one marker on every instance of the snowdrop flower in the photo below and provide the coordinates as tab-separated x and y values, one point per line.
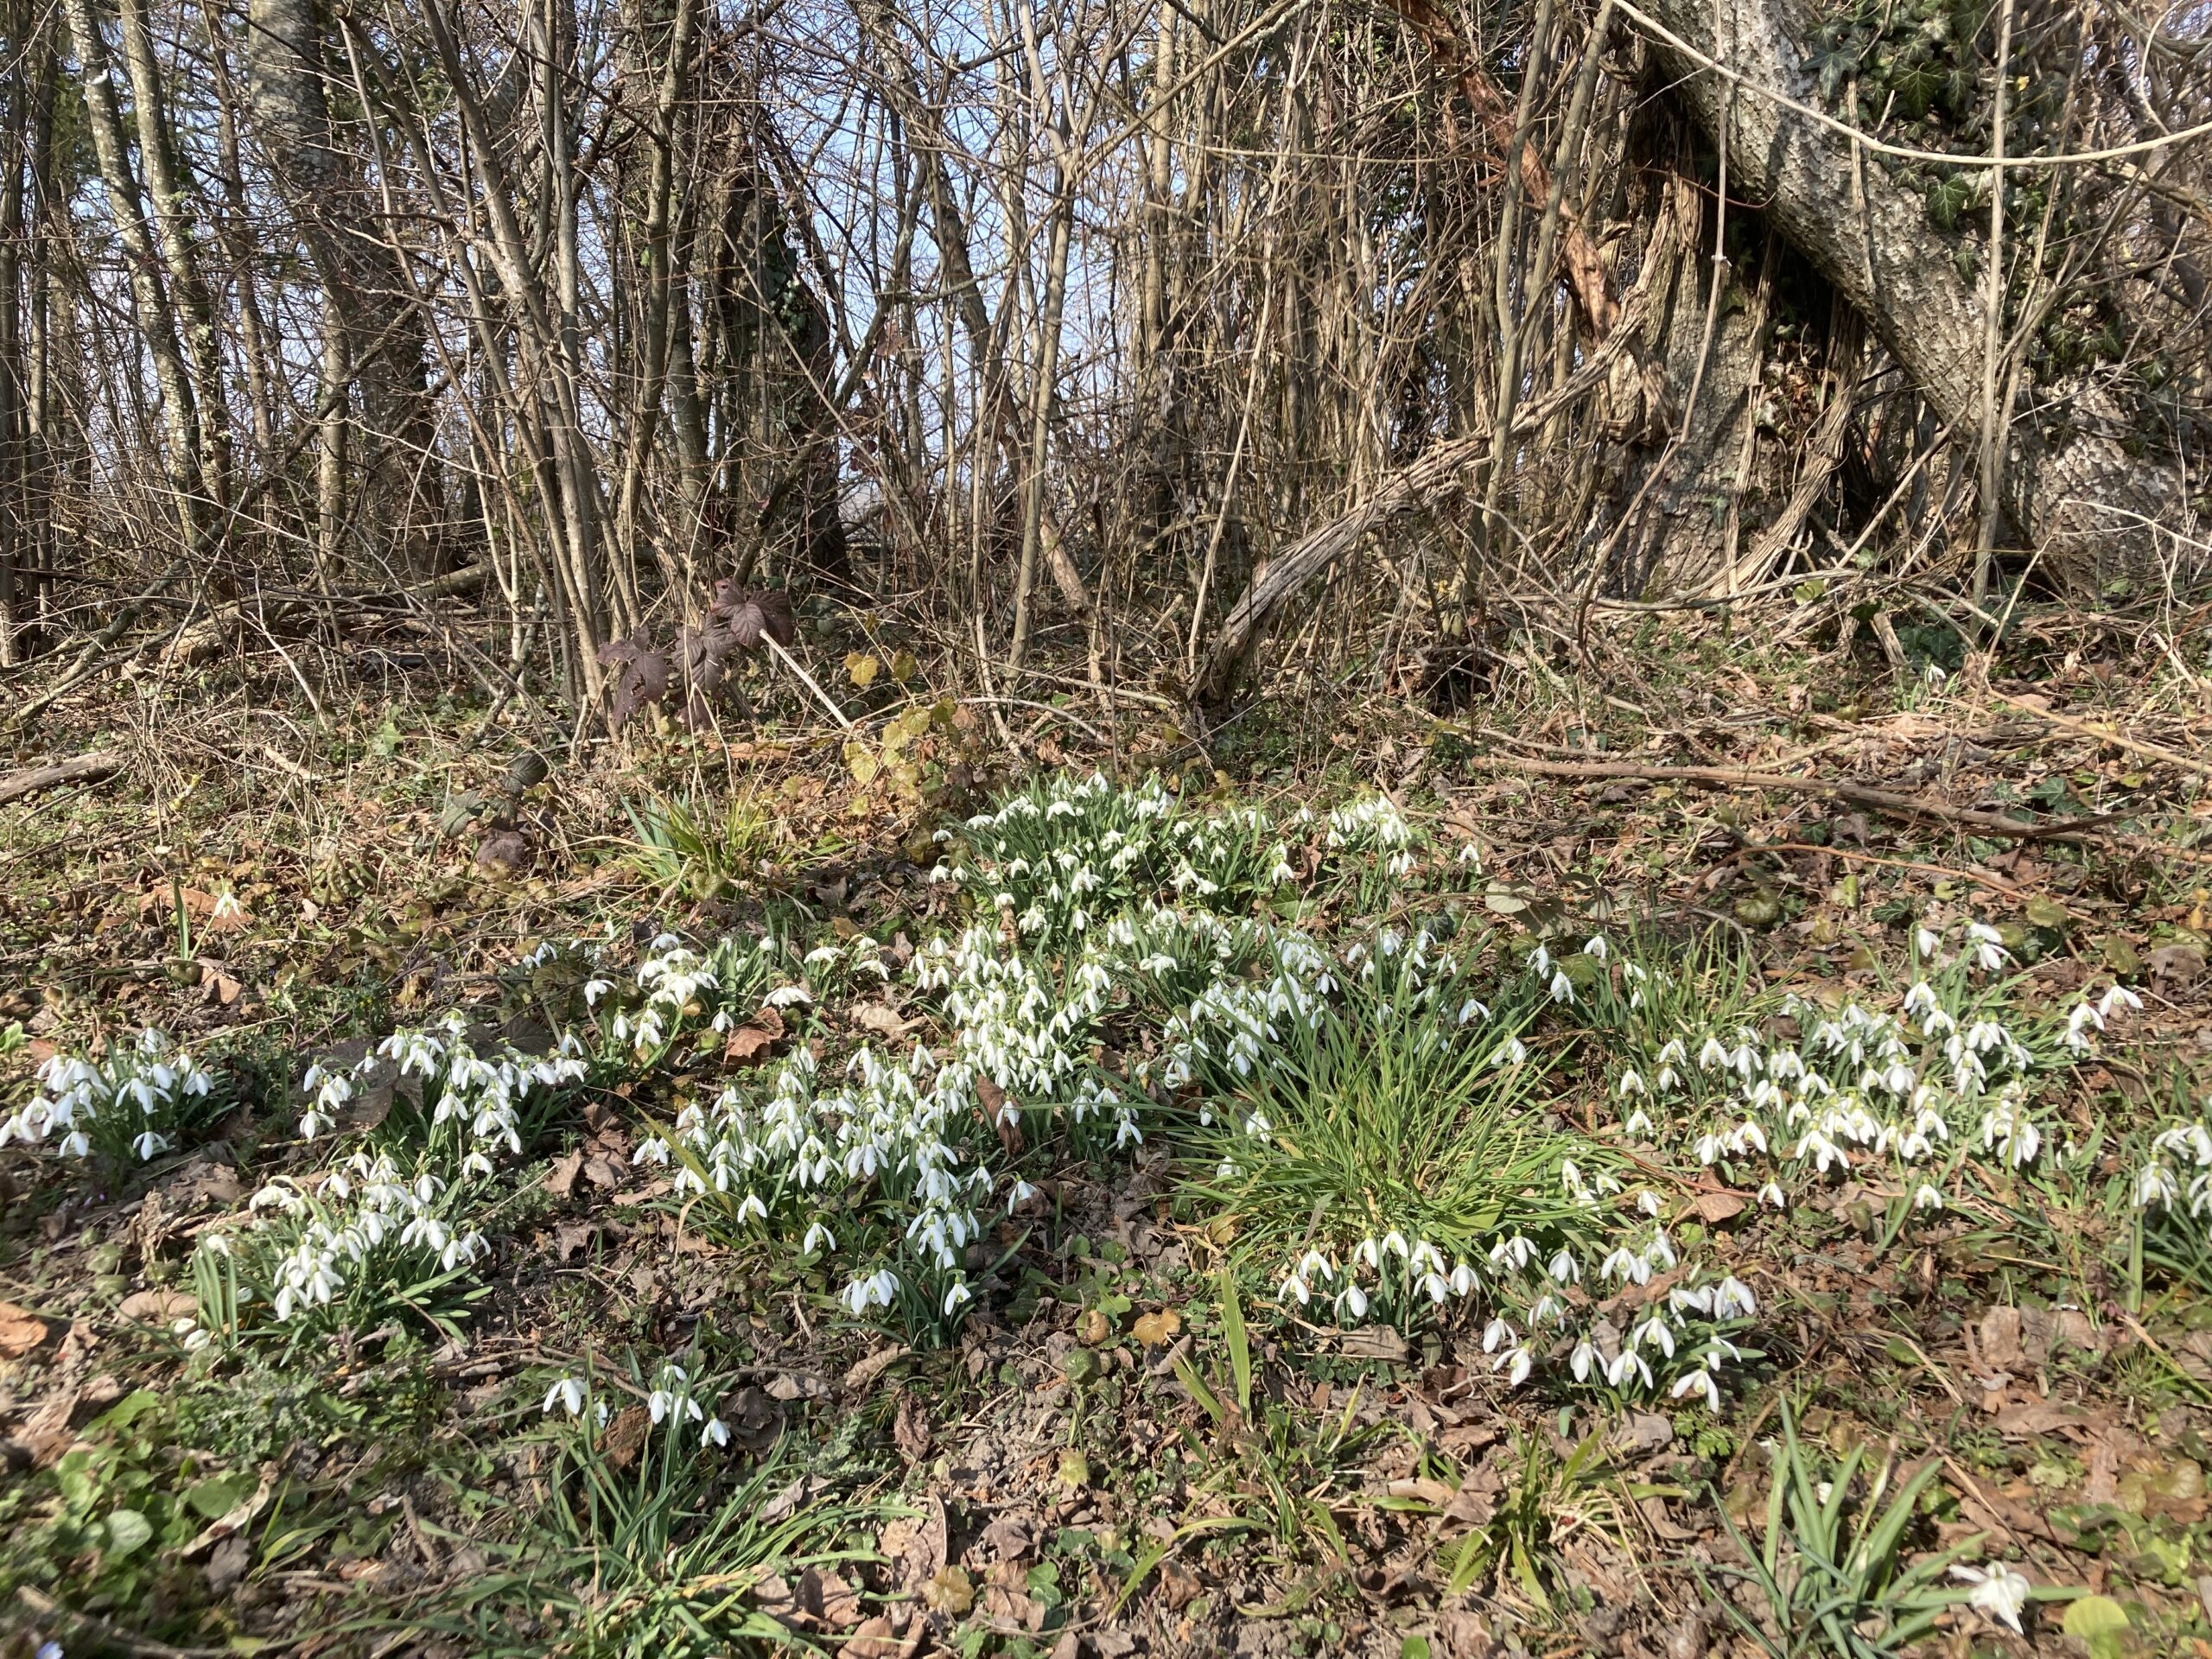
1579	1362
1464	1281
1352	1301
1927	1197
1989	951
1595	948
1697	1380
1296	1286
1511	1052
1517	1364
569	1392
751	1209
1625	1364
956	1297
1648	1202
717	1433
1771	1196
817	1235
2117	997
1495	1332
1920	1000
1997	1591
1925	939
1733	1299
1564	1269
787	997
1562	988
1629	1083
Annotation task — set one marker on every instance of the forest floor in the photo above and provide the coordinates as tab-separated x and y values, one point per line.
1304	1233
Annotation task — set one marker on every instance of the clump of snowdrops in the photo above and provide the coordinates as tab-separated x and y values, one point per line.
130	1105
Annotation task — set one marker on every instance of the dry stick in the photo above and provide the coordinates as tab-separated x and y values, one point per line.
1880	800
2133	746
807	680
1995	883
77	769
1993	325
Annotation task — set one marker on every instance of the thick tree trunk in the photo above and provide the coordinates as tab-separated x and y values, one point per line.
2075	491
384	340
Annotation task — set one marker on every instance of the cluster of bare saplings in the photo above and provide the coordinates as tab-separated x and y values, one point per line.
1126	335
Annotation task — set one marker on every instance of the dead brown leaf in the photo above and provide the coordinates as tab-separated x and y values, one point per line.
624	1441
21	1332
158	1306
561	1179
1001	1114
750	1043
1153	1329
1714	1207
866	1370
910	1429
1373	1342
883	1021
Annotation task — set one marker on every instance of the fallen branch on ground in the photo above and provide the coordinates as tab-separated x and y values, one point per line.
1878	800
2084	728
83	768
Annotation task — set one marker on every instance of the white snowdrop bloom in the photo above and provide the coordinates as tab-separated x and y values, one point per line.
1639	1122
1497	1332
1920	1000
1296	1286
788	996
1437	1286
1748	1137
1674	1053
1314	1263
1928	1197
751	1209
1595	948
1713	1054
1463	1280
1926	940
1511	1052
1562	988
1823	1151
1658	1332
1771	1196
1648	1201
1988	944
1629	1083
2117	997
1659	1252
717	1433
1685	1299
2156	1185
1624	1264
1352	1300
956	1297
1733	1299
1472	1010
1580	1363
1697	1380
1625	1364
817	1237
1564	1269
1709	1147
569	1393
1997	1591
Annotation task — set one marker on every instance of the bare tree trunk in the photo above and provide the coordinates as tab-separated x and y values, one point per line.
157	322
1874	242
168	182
